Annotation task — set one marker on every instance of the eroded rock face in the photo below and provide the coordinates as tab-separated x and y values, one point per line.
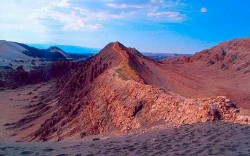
124	105
109	93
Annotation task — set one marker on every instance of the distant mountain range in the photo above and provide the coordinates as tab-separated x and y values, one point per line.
68	48
15	57
160	56
14	54
86	50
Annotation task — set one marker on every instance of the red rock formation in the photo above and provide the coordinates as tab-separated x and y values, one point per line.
119	89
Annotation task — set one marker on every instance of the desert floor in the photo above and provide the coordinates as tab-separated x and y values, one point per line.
201	139
215	138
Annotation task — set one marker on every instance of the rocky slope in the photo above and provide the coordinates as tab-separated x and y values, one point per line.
233	55
221	70
118	89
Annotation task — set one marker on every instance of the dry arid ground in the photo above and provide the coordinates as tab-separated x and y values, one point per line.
14	104
211	138
217	138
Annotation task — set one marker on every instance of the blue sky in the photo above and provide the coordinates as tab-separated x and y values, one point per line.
180	26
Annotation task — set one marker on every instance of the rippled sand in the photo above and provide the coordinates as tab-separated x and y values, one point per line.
218	138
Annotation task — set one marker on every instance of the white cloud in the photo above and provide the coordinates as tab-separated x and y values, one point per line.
74	18
168	15
77	25
113	5
15	23
94	26
60	4
203	10
105	16
71	18
49	18
123	6
166	11
72	23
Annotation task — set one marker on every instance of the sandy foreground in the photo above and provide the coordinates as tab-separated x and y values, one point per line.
216	138
201	139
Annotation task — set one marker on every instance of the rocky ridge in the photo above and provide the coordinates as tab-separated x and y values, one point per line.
112	91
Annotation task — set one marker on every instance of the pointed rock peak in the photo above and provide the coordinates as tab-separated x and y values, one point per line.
109	48
117	42
111	44
117	47
129	49
120	45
